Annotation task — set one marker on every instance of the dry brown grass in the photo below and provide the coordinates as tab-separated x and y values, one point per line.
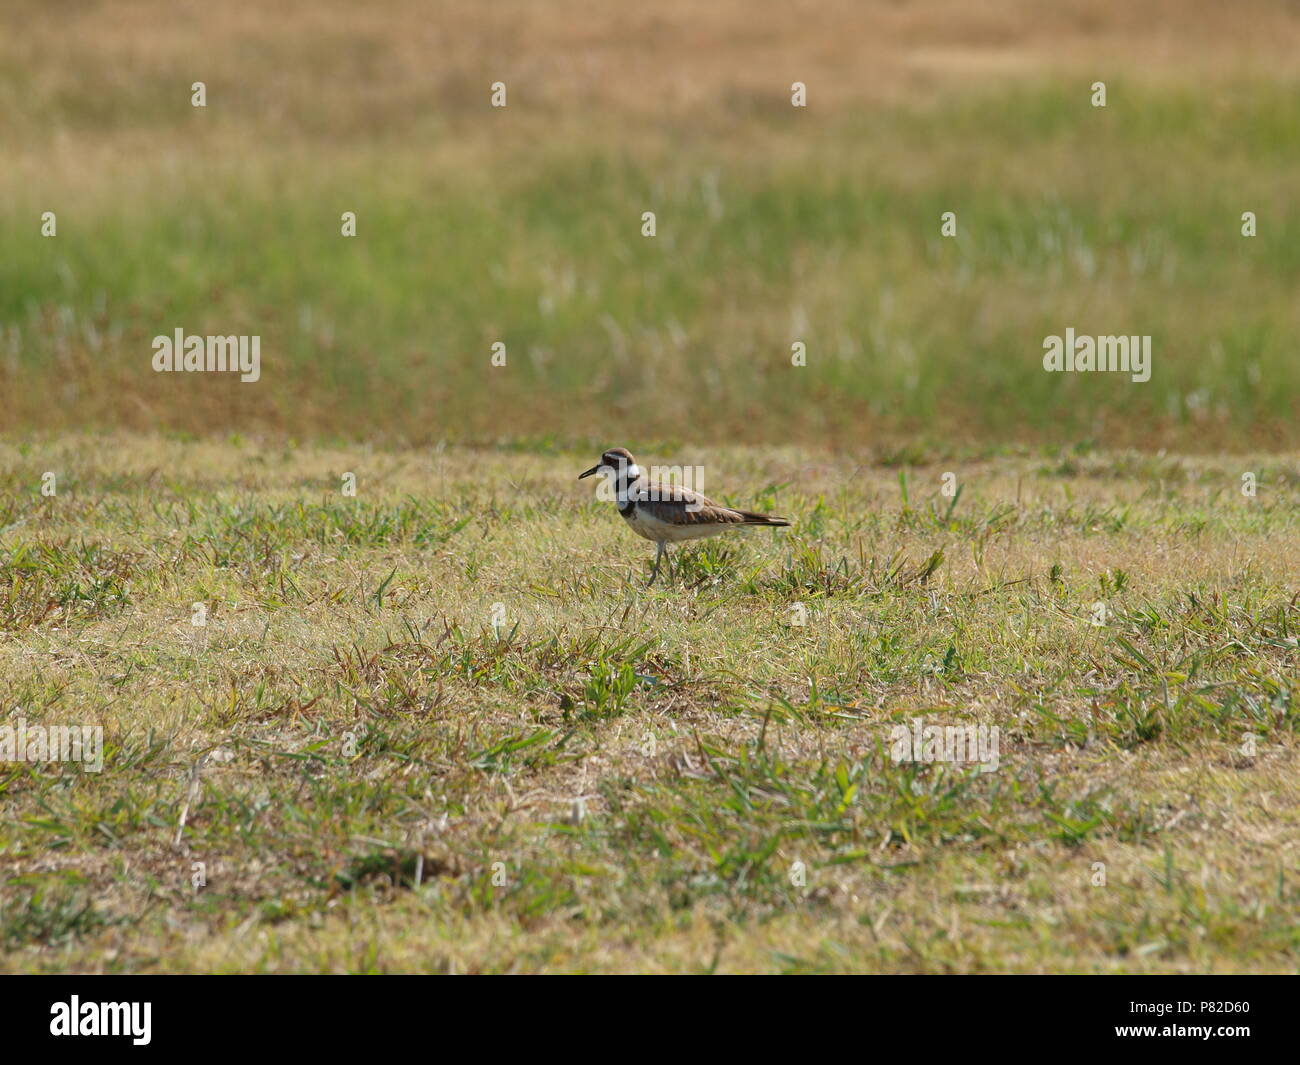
390	70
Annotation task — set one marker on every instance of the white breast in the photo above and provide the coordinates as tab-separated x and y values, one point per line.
645	524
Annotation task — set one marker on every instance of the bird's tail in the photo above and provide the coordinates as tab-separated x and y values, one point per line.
750	518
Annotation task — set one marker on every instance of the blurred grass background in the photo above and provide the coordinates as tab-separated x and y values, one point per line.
775	224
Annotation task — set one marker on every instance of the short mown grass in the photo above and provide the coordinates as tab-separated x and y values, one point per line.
444	725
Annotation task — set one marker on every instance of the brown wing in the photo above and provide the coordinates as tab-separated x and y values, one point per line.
675	505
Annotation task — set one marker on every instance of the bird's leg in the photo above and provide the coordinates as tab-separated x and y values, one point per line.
659	553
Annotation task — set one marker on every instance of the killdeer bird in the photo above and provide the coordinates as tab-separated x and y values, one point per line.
667	513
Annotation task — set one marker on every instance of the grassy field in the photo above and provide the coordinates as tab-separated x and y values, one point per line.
471	685
441	723
775	224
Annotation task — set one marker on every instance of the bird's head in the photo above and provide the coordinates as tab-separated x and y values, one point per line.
616	462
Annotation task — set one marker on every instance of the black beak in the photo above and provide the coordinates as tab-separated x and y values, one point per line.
589	472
